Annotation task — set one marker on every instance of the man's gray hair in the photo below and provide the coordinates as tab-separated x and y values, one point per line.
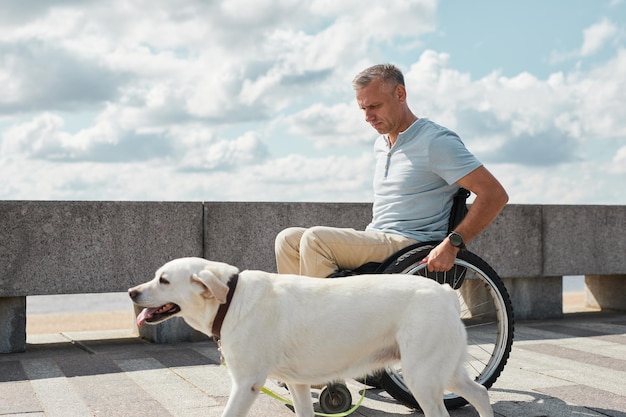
388	73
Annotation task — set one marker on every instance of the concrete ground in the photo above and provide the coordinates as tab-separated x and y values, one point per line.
575	366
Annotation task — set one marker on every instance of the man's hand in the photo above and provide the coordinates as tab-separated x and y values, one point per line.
441	258
490	199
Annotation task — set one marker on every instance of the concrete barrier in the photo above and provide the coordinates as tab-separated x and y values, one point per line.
89	247
51	247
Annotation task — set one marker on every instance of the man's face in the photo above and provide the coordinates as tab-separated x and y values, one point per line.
382	105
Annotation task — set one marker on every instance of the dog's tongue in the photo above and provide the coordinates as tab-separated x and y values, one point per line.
145	313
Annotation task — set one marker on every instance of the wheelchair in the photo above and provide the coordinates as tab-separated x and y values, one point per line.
486	311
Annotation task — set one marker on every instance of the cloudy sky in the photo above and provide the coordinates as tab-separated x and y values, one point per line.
241	100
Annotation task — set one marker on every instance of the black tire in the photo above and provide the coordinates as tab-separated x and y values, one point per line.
335	398
486	311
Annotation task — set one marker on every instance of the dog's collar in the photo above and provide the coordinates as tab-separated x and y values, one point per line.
223	309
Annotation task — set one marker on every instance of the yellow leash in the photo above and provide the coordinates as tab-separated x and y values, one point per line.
274	395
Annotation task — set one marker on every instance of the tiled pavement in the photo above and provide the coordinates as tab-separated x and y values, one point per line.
570	367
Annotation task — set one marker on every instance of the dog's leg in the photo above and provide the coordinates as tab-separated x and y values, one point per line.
431	402
422	379
302	399
472	391
242	395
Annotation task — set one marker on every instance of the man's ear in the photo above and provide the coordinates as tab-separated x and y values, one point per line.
400	93
213	286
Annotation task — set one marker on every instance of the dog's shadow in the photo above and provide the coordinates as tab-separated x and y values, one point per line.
528	403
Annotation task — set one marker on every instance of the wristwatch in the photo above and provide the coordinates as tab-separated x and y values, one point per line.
456	240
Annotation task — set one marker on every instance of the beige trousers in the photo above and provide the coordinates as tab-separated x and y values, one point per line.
320	251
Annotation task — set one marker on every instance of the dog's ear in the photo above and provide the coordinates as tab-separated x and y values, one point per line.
213	286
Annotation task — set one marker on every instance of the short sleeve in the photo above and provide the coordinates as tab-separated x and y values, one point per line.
450	159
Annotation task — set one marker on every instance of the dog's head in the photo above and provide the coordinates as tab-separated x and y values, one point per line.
182	287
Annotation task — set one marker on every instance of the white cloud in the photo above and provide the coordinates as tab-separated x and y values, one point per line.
114	139
523	119
223	155
39	137
596	36
213	57
292	178
618	164
40	76
332	127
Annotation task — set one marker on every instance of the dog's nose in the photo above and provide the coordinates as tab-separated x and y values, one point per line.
132	293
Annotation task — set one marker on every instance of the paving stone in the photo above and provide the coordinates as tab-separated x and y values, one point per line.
18	397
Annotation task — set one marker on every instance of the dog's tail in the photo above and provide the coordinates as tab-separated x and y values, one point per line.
453	294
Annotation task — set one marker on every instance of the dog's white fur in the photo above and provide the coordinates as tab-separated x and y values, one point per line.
307	331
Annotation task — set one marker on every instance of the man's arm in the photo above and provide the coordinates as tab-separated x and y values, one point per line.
490	199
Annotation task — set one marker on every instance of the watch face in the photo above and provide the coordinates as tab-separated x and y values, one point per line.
456	239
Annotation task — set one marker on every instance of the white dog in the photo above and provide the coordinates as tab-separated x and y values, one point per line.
307	331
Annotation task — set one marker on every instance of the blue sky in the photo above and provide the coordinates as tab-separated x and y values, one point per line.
517	36
251	101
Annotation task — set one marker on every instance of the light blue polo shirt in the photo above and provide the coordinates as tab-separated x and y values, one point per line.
414	180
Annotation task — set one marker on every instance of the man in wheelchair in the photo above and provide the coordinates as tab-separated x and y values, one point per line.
420	166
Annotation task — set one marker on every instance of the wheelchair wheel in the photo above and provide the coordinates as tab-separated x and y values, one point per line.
486	311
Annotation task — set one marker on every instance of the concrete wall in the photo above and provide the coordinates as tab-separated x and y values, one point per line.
51	247
242	234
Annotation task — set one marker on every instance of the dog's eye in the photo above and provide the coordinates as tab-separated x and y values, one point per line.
163	281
